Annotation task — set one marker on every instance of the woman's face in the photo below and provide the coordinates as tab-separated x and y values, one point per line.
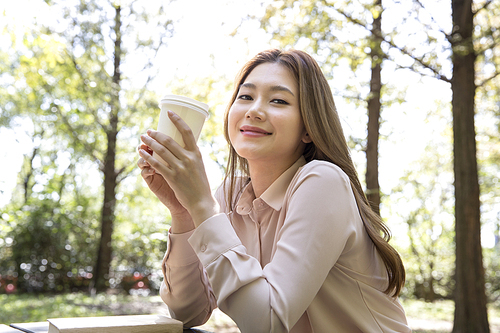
264	122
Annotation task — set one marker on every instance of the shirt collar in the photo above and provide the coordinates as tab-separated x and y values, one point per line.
274	194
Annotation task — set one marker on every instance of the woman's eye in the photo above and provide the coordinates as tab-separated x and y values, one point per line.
279	101
245	97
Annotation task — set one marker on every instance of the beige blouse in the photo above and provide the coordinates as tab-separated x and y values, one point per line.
297	259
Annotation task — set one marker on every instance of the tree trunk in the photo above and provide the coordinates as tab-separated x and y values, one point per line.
470	299
104	255
372	184
107	217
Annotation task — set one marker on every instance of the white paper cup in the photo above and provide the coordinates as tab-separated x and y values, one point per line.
194	113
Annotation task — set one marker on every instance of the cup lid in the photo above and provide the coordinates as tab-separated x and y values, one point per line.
176	99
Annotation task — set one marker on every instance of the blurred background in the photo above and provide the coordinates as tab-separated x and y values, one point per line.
416	84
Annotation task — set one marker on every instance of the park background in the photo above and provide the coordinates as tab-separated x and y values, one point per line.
80	234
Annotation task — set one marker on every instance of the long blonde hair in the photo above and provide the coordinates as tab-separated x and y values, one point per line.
322	123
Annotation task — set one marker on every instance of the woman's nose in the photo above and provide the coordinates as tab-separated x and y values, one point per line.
256	112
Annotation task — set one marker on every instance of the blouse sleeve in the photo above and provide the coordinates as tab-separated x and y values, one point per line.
185	287
320	210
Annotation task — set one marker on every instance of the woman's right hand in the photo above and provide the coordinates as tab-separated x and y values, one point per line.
159	186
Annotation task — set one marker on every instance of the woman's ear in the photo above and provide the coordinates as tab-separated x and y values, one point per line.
306	138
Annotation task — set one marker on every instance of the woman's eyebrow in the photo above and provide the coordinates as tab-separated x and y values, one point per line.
272	88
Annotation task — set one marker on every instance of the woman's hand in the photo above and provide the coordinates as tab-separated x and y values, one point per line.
184	172
158	185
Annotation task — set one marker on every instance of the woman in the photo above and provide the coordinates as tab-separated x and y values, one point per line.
294	246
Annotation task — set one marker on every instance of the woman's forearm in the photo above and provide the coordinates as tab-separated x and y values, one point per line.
181	223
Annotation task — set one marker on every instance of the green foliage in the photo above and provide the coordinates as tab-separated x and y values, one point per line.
424	205
141	241
320	28
492	273
488	153
48	250
49	232
60	80
486	43
327	31
487	120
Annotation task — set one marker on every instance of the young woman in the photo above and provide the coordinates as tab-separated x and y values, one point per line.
289	243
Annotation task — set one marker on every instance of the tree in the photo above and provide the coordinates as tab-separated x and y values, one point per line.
73	75
112	112
470	298
374	106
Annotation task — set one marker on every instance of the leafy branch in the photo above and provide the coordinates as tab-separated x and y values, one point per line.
403	50
73	133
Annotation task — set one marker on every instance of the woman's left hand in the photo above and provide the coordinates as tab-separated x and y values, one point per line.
185	172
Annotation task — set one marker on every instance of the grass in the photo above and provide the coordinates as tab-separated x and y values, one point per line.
440	314
438	310
33	308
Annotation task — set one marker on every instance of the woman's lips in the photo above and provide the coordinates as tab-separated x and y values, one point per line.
253	131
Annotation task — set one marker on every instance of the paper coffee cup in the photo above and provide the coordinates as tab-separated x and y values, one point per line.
194	113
